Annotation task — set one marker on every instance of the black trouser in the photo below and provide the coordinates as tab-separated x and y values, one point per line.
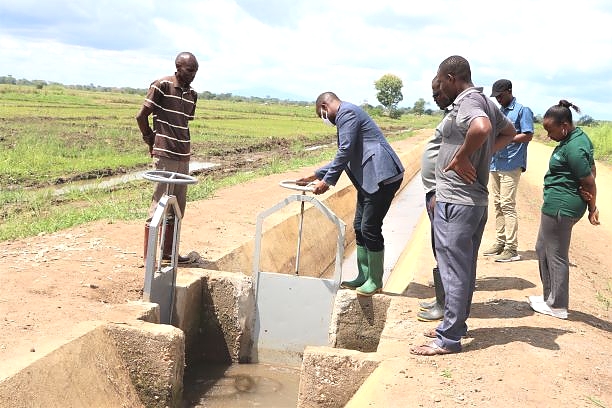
369	214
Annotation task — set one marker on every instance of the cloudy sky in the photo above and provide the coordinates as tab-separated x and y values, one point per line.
296	49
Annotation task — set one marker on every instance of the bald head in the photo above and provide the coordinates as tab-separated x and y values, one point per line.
186	68
185	57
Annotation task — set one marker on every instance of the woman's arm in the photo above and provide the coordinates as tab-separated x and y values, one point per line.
588	191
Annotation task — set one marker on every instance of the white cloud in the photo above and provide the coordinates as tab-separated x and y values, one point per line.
300	48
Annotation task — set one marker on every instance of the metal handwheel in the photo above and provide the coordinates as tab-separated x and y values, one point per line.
169	177
292	185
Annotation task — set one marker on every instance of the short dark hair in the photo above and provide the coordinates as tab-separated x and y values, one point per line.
327	97
458	66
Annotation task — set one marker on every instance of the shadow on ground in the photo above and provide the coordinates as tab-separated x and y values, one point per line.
591	320
493	283
541	337
501	308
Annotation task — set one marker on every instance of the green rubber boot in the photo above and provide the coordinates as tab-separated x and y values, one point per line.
436	312
362	268
428	305
376	267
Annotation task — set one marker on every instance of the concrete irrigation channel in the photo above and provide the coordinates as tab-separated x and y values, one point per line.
134	361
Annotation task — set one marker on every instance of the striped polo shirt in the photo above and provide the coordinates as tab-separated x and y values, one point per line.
173	108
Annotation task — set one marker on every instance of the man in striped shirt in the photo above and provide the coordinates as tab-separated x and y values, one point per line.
171	102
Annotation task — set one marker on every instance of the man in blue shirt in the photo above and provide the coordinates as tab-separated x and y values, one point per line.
506	168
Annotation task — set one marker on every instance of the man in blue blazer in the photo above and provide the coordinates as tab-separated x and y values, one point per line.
376	172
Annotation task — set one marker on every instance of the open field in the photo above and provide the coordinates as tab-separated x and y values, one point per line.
55	135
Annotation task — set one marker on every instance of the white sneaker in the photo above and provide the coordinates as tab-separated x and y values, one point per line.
536	299
542	307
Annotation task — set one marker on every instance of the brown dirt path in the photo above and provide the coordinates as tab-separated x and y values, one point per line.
52	284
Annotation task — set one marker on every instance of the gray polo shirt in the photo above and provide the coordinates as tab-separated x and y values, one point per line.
450	188
428	160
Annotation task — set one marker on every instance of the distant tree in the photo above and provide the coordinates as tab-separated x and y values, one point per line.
389	93
419	107
586	120
8	80
207	95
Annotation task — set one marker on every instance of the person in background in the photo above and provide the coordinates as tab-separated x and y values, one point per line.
172	103
434	310
569	191
507	165
471	132
376	172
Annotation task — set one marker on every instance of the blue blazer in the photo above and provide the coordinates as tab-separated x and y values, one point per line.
363	152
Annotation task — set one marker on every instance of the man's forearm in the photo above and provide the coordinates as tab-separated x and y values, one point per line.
474	138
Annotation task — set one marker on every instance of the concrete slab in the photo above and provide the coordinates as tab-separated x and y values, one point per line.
111	365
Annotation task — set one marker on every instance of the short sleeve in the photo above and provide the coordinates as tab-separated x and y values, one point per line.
579	161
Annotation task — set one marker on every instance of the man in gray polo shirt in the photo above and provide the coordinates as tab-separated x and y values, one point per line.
433	310
472	131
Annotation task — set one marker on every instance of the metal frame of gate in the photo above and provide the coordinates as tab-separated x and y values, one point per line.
160	278
281	332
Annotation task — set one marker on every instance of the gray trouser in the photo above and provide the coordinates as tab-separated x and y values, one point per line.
552	248
458	232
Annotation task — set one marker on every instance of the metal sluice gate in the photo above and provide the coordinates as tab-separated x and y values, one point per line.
293	311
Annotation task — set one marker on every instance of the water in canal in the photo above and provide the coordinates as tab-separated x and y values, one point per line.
241	385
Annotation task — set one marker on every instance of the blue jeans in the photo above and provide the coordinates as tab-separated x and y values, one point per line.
458	232
370	211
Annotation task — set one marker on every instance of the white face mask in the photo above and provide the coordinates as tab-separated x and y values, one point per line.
325	119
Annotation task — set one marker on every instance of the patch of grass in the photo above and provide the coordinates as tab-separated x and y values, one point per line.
600	135
605	299
31	212
447	373
597	402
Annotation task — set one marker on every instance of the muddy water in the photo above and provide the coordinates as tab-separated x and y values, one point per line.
241	385
107	182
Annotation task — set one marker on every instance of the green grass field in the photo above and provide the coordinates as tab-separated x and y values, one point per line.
53	135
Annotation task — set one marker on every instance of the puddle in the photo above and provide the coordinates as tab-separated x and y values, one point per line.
240	385
106	182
